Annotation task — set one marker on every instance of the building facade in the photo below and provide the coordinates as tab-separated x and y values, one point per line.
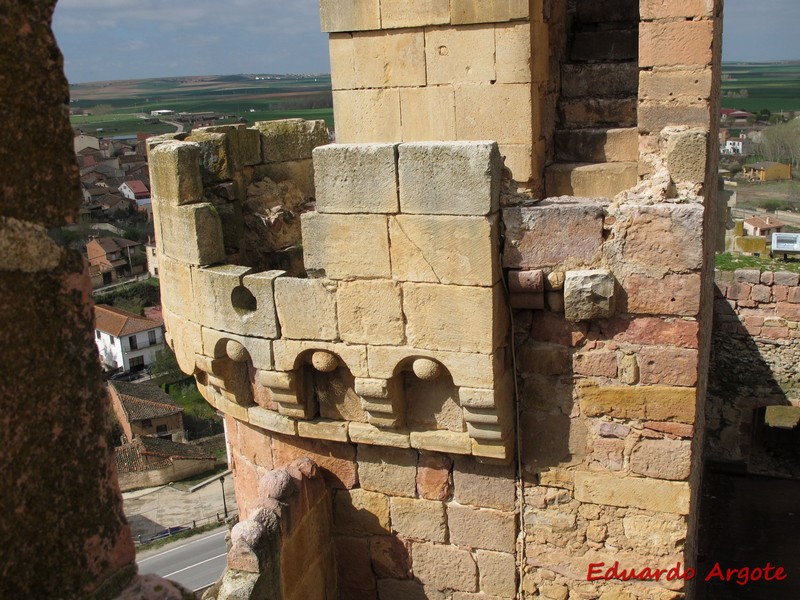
126	342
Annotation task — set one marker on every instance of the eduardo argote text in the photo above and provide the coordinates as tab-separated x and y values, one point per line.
740	575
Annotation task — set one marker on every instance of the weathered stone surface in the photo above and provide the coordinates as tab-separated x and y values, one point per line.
655	402
337	462
346	246
589	294
356	178
515	62
483	485
271	421
323	430
591	179
668	366
665	9
600	79
449	178
391	557
573	228
497	573
434	113
678	43
216	160
390	471
257	350
670	295
469	257
478	119
185	339
654	535
364	433
786	278
399	13
611	429
481	528
477	11
455	318
369	115
370	312
441	441
458	55
653	330
433	476
666	84
663	459
419	519
191	234
350	15
461	572
602	363
647	494
552	439
361	511
175	173
291	354
466	369
597	145
389	59
306	309
686	155
354	564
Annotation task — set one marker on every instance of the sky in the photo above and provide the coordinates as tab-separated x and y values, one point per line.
131	39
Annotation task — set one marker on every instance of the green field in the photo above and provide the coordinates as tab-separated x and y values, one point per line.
774	86
118	107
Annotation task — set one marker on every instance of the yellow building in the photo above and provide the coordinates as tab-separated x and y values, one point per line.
767	171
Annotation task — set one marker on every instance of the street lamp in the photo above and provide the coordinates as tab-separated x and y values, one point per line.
224	504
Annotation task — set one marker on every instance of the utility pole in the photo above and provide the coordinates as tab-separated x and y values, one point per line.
224	504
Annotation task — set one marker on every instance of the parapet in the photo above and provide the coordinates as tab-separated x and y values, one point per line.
398	334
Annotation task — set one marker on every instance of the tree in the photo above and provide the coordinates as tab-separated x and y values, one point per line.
165	364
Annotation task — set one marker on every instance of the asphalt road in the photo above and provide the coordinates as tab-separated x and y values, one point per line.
195	563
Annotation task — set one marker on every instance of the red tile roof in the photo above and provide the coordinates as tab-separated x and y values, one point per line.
764	222
142	401
120	323
137	187
146	453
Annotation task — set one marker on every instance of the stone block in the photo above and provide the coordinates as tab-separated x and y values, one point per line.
662	459
599	79
354	564
470	257
271	420
573	229
364	433
369	312
350	15
368	115
323	430
394	58
340	48
589	294
655	330
450	442
597	145
391	557
177	294
604	180
686	155
399	13
668	366
454	318
654	116
647	494
786	278
677	43
671	295
191	234
346	246
598	112
391	471
598	363
291	139
175	173
497	573
480	11
243	144
399	589
356	178
361	511
292	354
460	54
185	339
419	519
514	62
553	439
666	9
657	403
461	572
684	84
477	117
434	113
661	238
433	476
611	44
466	369
336	461
449	178
298	172
654	535
233	301
484	529
306	309
483	485
524	161
258	350
216	160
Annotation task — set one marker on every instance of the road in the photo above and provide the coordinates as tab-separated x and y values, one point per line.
195	563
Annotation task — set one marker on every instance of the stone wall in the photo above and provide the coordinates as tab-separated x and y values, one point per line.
177	470
754	361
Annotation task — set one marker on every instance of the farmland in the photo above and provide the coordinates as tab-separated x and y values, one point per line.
774	86
119	107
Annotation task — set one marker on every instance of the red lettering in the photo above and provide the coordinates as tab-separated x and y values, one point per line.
612	572
644	574
659	573
780	572
594	572
755	574
729	573
743	577
766	572
716	571
689	574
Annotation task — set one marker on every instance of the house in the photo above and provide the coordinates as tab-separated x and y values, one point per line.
81	142
763	226
151	252
112	258
152	461
145	409
767	171
134	189
741	146
126	341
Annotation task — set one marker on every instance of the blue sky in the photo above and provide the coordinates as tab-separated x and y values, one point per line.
130	39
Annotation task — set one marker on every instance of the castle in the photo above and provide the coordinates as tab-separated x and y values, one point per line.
477	368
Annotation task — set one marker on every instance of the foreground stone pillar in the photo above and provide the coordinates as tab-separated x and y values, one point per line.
62	531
